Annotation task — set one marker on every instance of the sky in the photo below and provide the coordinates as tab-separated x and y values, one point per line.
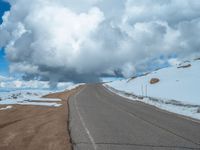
83	40
3	63
4	6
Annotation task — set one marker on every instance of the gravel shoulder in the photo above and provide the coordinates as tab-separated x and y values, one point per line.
36	127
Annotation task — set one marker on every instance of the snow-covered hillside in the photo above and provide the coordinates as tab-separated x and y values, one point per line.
177	86
30	97
27	97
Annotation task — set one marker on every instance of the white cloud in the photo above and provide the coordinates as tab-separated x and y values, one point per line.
173	62
80	40
20	67
4	78
128	70
12	83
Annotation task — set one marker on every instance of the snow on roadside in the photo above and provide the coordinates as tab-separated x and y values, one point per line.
5	108
27	97
74	86
31	97
177	89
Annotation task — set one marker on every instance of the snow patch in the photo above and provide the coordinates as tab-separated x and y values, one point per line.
74	86
5	108
32	97
177	91
27	97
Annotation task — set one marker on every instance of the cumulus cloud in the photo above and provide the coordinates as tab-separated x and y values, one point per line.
82	40
12	83
3	78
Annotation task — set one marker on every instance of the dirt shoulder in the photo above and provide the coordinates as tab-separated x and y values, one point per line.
36	127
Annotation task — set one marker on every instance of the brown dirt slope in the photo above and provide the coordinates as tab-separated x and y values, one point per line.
36	127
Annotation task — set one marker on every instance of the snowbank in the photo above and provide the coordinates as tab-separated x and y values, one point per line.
27	97
31	97
177	89
5	108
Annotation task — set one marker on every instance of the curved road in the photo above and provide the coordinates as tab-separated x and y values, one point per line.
101	120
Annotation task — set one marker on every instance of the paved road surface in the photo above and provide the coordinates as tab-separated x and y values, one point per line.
101	120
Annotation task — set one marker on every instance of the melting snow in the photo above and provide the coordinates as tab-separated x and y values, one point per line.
28	97
5	108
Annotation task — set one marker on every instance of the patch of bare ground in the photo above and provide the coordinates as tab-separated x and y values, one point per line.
154	80
185	66
36	127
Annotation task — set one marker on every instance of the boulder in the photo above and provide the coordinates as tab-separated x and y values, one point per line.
154	80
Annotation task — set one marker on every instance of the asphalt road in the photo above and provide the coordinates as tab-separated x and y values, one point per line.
101	120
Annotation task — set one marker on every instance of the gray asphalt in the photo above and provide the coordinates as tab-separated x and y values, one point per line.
102	120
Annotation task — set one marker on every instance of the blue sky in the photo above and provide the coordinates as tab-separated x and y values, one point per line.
3	63
4	6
